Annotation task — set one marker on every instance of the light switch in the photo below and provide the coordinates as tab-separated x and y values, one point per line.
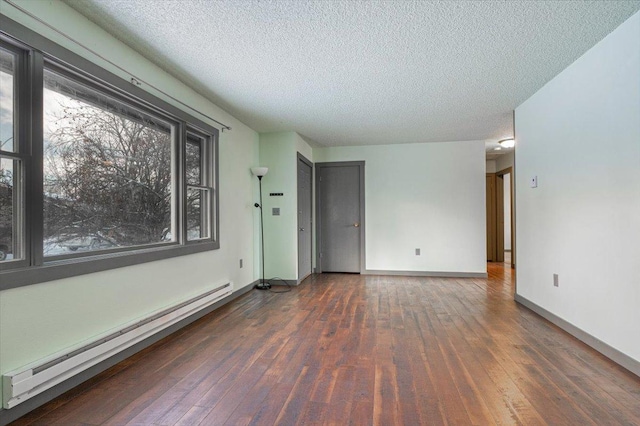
275	211
533	182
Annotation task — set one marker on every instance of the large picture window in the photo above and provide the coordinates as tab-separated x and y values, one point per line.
94	172
107	171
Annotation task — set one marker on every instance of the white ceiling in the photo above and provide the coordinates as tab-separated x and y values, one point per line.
348	72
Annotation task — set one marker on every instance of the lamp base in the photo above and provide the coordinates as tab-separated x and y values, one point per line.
263	286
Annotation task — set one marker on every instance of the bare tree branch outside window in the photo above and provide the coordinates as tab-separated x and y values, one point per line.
107	178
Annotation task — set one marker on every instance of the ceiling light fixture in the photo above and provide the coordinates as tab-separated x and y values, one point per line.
507	143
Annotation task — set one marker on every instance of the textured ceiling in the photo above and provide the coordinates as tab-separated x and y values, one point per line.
348	72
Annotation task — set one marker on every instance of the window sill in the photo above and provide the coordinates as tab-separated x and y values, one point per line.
60	269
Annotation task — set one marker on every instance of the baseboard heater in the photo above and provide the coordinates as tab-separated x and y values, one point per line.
21	384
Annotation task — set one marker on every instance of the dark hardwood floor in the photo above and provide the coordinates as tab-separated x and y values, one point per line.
351	349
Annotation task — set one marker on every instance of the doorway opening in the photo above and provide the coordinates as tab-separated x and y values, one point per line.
500	236
507	224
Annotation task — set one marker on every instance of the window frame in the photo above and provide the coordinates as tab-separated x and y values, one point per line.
35	53
207	181
76	78
21	149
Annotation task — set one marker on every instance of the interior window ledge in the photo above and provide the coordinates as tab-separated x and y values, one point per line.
67	268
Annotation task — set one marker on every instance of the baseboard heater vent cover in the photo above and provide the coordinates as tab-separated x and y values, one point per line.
21	384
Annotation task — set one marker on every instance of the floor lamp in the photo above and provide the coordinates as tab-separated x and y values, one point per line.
260	172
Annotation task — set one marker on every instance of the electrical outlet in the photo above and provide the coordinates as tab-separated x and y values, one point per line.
275	211
240	263
555	280
417	252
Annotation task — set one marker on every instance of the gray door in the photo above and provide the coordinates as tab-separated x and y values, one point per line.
304	218
340	193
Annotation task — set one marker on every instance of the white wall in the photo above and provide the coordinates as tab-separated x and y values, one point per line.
429	196
507	211
38	320
504	161
580	135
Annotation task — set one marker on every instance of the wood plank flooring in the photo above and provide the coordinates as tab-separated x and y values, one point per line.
361	350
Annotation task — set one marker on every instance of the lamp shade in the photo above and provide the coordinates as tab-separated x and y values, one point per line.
259	171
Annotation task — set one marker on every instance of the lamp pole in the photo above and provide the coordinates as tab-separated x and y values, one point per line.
263	284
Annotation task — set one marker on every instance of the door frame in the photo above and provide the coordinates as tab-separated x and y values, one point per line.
306	161
501	173
492	217
318	227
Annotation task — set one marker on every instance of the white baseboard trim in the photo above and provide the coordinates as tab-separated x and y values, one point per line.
427	274
610	352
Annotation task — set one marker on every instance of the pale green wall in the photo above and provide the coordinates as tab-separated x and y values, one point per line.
278	152
39	320
429	196
303	147
279	236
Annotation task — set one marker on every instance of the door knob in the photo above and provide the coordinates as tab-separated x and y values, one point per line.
357	225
